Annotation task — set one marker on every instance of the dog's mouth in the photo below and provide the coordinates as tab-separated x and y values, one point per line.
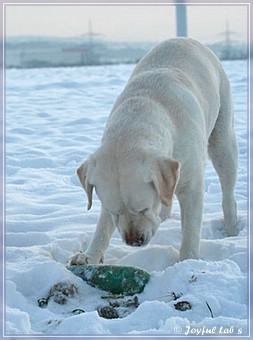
136	239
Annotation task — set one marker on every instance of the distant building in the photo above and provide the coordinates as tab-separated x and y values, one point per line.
236	51
47	53
55	52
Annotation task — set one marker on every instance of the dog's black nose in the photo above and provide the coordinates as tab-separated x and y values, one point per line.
134	238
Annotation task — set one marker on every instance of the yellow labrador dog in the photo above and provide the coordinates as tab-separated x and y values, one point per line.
175	109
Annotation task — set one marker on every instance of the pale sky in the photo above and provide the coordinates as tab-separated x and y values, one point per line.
132	23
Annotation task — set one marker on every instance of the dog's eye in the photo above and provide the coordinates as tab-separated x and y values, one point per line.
143	211
116	214
136	212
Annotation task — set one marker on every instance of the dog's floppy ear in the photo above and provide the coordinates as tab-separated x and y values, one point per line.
82	172
165	181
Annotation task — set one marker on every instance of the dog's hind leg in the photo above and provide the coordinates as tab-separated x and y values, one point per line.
223	152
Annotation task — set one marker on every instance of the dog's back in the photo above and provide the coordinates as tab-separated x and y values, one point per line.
176	68
188	55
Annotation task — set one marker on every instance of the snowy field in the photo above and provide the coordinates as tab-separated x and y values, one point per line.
54	120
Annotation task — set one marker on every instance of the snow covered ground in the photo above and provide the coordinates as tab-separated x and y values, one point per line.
54	120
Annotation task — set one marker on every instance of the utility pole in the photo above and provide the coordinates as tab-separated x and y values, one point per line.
228	40
91	56
181	18
90	34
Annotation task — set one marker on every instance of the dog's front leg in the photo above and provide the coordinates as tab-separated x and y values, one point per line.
191	206
100	242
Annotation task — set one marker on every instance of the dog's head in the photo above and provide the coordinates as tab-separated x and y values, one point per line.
131	192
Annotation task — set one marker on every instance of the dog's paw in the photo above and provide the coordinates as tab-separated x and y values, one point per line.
82	258
79	259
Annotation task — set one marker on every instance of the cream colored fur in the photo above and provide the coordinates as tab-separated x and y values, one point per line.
175	109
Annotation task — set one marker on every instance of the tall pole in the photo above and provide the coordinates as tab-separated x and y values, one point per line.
90	33
228	40
181	17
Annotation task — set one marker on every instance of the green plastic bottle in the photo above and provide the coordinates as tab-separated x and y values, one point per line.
125	280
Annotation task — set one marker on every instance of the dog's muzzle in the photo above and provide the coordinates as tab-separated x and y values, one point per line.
135	239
